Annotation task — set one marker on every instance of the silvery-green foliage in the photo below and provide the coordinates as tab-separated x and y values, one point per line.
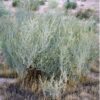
23	15
50	42
3	16
4	13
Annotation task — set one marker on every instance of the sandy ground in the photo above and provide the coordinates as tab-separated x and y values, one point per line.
4	82
7	80
93	4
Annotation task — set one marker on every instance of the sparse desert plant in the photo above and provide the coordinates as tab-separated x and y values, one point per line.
70	4
49	42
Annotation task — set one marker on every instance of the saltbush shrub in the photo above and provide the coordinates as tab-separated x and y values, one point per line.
50	42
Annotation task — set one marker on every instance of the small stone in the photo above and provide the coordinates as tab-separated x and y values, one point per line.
72	97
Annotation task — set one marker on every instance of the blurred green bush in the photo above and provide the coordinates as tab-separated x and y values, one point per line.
70	5
15	3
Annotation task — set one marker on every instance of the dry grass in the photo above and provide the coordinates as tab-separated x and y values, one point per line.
71	86
84	80
6	72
